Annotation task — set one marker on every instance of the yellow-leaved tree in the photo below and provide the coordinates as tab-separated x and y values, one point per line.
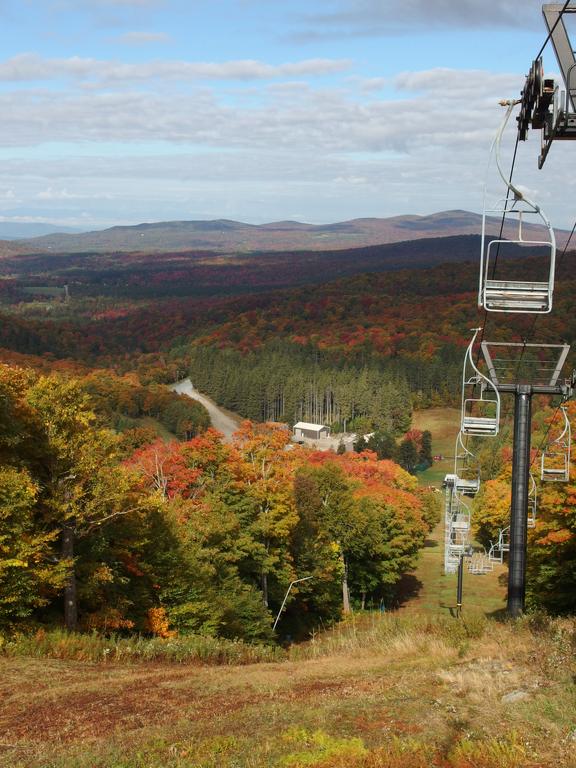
82	485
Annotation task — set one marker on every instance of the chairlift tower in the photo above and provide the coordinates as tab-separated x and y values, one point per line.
524	370
519	369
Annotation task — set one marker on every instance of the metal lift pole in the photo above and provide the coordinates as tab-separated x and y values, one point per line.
523	393
519	508
520	485
459	585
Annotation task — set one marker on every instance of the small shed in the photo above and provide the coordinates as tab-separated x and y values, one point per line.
305	431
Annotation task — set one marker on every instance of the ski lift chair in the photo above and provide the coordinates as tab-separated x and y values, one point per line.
457	528
517	294
480	415
555	461
504	539
467	476
532	503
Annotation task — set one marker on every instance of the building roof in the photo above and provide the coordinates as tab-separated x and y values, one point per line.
306	425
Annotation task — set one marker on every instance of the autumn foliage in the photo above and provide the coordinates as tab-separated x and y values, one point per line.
187	536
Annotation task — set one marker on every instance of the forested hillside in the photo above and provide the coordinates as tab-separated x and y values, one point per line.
409	325
359	352
285	382
191	536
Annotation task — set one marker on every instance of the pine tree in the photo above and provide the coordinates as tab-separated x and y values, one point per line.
425	453
408	455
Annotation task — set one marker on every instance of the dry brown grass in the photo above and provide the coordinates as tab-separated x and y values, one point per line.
394	693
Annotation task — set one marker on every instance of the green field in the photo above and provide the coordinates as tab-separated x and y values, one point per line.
444	424
433	592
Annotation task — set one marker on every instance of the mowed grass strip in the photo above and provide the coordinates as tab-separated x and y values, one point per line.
415	691
428	589
443	423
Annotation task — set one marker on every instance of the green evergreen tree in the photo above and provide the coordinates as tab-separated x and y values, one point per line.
408	455
425	452
383	444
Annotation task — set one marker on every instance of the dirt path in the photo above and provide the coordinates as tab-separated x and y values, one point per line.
222	420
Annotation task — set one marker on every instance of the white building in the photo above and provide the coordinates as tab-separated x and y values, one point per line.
305	431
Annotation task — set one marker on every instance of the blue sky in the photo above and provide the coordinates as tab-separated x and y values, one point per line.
122	111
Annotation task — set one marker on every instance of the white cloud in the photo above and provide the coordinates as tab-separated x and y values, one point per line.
142	38
391	17
370	84
54	193
321	150
32	67
460	82
295	117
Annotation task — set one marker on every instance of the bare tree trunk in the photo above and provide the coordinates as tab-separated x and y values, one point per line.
345	591
70	600
264	583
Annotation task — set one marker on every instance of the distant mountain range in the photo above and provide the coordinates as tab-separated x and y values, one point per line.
13	230
228	236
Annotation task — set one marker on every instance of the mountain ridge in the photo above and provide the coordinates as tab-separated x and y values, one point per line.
226	235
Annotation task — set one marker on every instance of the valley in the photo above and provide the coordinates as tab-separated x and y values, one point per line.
287	384
188	542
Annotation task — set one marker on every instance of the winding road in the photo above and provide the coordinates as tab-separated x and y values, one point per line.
224	421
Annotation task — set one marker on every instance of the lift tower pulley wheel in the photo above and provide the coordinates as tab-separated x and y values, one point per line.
547	106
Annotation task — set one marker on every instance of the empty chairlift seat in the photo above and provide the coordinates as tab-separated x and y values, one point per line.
466	470
555	460
515	295
456	526
500	290
480	563
468	486
532	502
480	414
555	467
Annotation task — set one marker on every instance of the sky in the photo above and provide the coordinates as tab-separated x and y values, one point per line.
125	111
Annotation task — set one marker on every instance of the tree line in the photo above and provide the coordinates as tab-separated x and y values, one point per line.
288	383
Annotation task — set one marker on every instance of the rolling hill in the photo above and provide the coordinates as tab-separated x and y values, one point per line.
223	235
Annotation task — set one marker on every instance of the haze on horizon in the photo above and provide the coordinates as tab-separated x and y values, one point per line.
129	111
